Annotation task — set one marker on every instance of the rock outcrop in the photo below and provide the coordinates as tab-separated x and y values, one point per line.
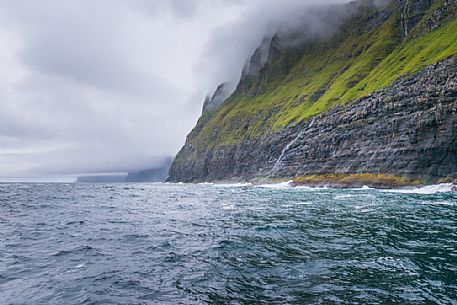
407	129
369	108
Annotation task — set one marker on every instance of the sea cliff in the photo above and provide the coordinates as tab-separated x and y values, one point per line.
378	96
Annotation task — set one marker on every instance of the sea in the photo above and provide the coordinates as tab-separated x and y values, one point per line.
76	243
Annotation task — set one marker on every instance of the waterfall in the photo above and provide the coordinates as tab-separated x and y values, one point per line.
404	17
286	148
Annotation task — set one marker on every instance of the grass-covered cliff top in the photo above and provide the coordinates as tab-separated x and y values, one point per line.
354	63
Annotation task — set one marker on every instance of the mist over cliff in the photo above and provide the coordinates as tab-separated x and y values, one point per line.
370	94
109	86
268	31
233	50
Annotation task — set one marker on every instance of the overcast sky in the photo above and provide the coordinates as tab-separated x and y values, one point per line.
91	86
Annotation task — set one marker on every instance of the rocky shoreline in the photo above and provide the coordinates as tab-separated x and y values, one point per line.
343	181
377	181
359	185
449	187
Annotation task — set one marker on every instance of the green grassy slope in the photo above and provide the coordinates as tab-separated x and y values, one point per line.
300	85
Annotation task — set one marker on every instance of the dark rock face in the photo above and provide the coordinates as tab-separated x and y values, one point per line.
408	129
412	13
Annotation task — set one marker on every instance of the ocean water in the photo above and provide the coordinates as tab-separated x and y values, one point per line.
225	244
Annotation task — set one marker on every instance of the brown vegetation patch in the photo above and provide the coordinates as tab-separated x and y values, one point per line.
381	181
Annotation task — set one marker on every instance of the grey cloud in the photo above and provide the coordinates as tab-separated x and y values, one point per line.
231	45
88	47
112	85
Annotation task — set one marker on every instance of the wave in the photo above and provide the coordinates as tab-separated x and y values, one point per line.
429	189
244	184
448	203
314	188
426	190
363	188
280	186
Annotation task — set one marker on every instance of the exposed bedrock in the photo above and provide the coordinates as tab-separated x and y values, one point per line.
407	129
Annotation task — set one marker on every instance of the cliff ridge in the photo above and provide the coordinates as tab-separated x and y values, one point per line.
377	96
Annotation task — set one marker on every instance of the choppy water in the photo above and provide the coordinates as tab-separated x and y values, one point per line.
194	244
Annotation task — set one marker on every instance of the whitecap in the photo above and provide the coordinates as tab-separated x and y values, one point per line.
344	197
309	188
228	207
281	185
206	183
363	188
233	184
287	205
429	189
437	203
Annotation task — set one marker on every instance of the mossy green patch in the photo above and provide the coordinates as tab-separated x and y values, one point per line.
409	57
303	83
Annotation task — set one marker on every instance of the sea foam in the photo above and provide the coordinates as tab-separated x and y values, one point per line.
429	189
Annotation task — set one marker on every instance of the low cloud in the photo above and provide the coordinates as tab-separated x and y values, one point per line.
111	85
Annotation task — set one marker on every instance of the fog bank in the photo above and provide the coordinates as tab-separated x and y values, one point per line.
114	86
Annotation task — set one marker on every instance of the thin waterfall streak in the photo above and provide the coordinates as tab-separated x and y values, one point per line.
289	145
284	150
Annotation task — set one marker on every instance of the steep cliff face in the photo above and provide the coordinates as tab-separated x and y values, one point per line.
378	96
